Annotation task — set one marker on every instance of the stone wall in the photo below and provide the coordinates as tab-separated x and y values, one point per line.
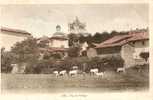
91	52
127	54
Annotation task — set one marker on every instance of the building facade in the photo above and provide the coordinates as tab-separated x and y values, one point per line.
129	47
10	36
55	45
59	39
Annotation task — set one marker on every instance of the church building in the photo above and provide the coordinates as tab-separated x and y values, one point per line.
59	39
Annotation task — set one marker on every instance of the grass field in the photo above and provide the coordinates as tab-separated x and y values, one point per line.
48	83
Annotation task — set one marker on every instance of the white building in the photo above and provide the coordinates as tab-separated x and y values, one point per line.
9	36
59	39
57	44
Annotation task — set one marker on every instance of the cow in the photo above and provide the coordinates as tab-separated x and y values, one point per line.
55	73
73	72
15	68
93	71
100	74
62	73
75	67
120	69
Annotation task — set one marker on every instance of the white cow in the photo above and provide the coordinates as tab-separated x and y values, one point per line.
73	72
15	68
100	74
120	69
55	73
94	71
63	72
75	67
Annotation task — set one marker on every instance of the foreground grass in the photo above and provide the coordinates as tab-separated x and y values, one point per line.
43	83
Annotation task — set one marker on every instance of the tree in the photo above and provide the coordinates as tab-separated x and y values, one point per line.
144	55
26	50
6	60
82	39
97	37
104	36
114	33
73	52
73	39
43	44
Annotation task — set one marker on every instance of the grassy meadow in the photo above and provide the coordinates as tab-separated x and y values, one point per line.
48	83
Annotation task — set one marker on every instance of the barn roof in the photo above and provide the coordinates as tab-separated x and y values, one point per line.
114	41
139	36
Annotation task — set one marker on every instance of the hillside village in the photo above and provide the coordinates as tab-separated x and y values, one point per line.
79	44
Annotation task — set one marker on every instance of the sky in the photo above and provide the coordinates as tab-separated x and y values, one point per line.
41	20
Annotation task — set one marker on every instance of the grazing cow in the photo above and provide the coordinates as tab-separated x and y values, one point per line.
62	73
73	72
94	71
100	74
15	68
120	69
55	73
75	67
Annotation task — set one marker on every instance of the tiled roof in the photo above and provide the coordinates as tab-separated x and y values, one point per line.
120	40
15	30
114	41
139	36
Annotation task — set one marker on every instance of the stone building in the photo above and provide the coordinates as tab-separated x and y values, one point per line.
10	36
128	47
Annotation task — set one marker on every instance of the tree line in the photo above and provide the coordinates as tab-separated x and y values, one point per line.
100	37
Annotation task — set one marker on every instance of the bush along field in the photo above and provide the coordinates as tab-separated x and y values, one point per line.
41	78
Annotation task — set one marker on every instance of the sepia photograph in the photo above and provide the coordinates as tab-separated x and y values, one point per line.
86	48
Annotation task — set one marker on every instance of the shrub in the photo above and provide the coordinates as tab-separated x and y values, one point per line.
144	55
6	60
112	63
73	52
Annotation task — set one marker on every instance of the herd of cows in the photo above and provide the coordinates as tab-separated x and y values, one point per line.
75	71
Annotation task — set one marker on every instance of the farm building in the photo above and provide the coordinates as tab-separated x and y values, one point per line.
10	36
128	47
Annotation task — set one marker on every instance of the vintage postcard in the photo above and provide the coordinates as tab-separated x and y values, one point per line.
76	50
